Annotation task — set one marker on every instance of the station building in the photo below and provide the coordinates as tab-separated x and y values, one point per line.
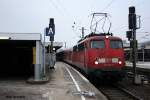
143	52
23	55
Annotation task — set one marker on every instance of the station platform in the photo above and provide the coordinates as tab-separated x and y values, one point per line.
65	84
144	65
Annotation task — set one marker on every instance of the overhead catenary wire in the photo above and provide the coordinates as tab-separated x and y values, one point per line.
124	26
69	17
67	13
88	9
63	11
146	18
120	27
138	4
56	7
108	5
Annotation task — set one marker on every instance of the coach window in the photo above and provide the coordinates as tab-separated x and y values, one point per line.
115	44
98	44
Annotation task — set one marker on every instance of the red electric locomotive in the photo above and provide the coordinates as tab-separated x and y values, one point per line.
99	56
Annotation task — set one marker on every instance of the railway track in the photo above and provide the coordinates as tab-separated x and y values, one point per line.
141	71
142	90
117	93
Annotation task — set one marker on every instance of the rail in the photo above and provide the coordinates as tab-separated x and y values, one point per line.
118	93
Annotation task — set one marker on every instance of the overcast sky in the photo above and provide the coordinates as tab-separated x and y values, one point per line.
32	16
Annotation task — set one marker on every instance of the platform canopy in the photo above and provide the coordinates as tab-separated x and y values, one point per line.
56	45
21	36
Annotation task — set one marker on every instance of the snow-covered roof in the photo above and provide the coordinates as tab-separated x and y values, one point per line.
21	36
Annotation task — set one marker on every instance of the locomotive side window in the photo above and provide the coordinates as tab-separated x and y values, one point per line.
98	44
116	44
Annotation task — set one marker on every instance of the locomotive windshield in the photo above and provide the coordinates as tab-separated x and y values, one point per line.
116	44
98	44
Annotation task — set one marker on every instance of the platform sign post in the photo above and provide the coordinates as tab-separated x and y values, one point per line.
50	31
131	35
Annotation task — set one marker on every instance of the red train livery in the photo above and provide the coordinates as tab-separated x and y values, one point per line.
99	56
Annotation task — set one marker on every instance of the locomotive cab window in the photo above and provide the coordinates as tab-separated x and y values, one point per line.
98	44
115	44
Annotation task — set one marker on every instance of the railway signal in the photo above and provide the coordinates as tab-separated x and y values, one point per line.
132	18
131	35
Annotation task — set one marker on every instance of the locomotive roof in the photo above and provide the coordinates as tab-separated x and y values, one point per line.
97	37
93	37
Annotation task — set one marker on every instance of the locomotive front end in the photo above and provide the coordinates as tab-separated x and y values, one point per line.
106	57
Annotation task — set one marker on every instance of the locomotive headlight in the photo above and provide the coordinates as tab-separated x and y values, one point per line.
107	37
96	62
120	62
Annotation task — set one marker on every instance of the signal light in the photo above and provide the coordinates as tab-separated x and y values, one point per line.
132	18
129	35
51	21
132	10
132	21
